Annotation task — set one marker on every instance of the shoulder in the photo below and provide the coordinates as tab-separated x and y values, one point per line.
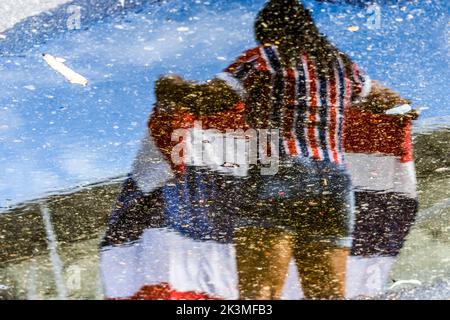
246	57
252	53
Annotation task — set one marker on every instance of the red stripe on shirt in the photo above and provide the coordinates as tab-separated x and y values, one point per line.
312	110
333	119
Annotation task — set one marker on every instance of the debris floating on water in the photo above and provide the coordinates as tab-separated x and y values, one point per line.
400	282
353	28
183	29
58	65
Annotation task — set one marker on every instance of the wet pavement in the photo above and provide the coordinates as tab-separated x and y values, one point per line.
211	229
158	257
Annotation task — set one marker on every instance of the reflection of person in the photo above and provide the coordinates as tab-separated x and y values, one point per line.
263	256
300	83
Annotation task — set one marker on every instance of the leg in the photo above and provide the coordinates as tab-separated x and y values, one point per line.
322	270
322	265
263	257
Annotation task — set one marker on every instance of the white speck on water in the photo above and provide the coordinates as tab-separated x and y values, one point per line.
182	29
30	87
58	65
401	282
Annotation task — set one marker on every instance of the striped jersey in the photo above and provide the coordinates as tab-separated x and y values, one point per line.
307	108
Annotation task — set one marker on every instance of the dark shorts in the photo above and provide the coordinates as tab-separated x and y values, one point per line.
311	198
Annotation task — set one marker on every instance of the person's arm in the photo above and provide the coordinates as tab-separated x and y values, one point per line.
214	96
380	99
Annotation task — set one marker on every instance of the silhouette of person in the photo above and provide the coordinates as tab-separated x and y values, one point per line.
295	81
298	82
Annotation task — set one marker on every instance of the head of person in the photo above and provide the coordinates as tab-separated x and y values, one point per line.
283	20
285	23
289	25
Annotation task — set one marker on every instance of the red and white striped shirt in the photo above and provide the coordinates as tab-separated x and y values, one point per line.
308	108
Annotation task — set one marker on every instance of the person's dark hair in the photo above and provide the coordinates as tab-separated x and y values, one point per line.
289	26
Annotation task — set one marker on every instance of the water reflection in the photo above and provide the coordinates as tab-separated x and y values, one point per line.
194	232
244	179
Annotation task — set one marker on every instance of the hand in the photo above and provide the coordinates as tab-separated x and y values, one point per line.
381	99
413	114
